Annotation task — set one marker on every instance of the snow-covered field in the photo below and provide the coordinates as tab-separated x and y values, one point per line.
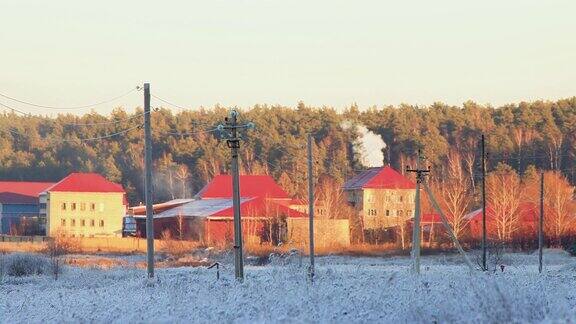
346	289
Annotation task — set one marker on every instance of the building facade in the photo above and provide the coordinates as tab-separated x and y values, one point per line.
20	208
383	197
85	205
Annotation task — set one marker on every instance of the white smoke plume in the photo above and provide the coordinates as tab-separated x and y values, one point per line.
370	146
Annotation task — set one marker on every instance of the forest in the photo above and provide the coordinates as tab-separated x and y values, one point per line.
188	151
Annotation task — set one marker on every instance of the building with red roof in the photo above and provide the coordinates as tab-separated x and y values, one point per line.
526	216
266	209
383	197
20	208
84	205
251	186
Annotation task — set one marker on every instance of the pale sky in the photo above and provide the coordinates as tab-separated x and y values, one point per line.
323	52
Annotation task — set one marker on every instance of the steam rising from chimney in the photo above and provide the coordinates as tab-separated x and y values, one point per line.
370	145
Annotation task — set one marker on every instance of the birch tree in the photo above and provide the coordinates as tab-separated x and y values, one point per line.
504	195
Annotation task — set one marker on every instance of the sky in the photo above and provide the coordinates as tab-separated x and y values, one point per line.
246	52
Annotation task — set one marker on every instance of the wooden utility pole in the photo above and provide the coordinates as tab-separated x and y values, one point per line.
541	223
421	181
233	142
484	240
148	183
311	207
420	173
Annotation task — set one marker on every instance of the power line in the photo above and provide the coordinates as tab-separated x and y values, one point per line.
87	139
81	124
70	107
190	133
104	136
168	102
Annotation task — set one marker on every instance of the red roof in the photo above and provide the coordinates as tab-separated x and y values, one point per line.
260	208
379	178
21	192
158	208
251	186
86	182
431	218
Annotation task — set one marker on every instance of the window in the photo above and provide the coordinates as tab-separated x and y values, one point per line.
101	207
92	222
387	212
92	206
82	222
101	223
63	222
73	222
63	206
372	212
400	213
73	206
408	212
401	198
82	206
369	198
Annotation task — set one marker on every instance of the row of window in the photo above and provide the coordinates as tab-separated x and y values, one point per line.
82	222
81	206
392	198
388	212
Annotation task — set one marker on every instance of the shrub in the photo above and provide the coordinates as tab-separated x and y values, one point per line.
175	248
21	264
570	247
61	245
2	268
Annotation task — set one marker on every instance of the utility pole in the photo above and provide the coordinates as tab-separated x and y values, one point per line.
420	173
148	182
311	207
421	181
484	241
233	142
541	223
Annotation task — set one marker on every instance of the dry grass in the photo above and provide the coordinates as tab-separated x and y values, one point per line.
23	247
95	262
62	245
177	248
263	250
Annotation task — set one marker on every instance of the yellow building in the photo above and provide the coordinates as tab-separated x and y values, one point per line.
84	205
383	197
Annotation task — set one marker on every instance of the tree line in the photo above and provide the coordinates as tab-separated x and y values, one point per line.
188	152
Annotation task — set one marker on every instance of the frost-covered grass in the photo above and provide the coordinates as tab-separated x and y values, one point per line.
23	264
346	289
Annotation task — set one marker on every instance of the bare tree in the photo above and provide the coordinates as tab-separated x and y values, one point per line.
558	204
330	198
182	174
504	195
454	193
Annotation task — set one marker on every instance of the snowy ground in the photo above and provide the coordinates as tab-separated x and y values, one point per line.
347	289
